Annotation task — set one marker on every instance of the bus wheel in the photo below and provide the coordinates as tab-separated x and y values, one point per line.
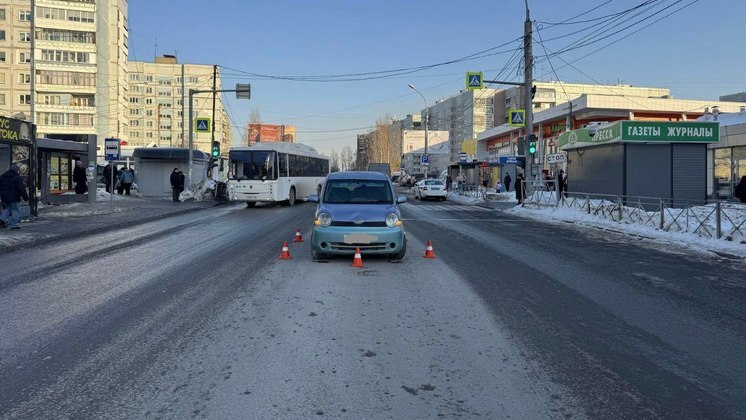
291	197
250	204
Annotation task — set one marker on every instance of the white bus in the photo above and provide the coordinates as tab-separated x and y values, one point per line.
275	172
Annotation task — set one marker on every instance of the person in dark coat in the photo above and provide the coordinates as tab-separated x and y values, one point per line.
177	183
740	192
561	184
506	182
80	179
449	181
519	188
107	177
12	191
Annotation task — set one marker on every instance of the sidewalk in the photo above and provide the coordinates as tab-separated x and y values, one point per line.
80	219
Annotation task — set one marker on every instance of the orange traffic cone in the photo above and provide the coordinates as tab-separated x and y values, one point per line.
285	254
298	236
358	261
429	253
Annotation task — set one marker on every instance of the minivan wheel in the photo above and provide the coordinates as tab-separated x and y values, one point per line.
399	255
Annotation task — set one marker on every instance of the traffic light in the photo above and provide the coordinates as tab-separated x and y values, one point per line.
532	144
521	143
215	149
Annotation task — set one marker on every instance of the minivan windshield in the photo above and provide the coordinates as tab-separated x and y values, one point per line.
358	192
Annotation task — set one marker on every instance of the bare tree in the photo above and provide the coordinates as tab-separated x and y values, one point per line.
347	159
255	117
334	161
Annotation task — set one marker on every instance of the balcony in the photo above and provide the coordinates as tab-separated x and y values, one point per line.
65	24
40	107
66	45
52	88
67	66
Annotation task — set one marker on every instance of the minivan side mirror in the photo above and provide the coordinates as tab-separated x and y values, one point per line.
401	199
313	198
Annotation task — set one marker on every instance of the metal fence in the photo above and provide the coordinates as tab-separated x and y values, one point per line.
721	220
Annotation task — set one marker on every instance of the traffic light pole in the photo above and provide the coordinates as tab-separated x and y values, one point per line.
192	92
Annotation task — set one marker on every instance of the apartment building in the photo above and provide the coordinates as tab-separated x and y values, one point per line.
550	94
80	51
159	103
463	116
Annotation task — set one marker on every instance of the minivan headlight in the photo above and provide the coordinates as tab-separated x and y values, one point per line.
324	219
392	220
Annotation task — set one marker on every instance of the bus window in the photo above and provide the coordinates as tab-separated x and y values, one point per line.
283	164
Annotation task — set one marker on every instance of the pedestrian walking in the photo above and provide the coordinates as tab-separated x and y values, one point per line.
740	192
80	179
506	181
126	178
177	183
486	180
449	181
519	195
108	177
12	191
562	184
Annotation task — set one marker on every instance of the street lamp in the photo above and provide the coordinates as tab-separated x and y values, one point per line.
427	117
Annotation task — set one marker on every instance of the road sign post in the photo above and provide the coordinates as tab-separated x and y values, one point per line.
112	153
474	80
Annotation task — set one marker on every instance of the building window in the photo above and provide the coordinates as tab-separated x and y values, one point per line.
2	56
135	123
149	101
2	14
2	99
24	15
25	37
24	100
149	135
148	123
24	57
24	78
2	78
65	56
194	80
148	78
149	112
2	35
148	90
134	100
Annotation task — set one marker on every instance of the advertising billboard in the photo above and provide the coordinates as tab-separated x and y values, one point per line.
268	133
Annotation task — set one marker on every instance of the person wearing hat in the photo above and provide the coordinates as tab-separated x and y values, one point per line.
177	184
12	191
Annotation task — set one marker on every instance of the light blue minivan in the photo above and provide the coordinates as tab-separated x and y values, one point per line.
358	210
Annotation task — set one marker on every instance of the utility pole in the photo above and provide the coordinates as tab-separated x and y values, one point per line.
528	60
183	114
214	96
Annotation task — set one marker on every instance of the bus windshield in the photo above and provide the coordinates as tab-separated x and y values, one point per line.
253	165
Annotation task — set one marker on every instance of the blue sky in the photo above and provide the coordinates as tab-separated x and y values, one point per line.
695	52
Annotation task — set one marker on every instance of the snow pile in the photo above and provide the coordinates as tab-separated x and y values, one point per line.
203	191
694	227
508	197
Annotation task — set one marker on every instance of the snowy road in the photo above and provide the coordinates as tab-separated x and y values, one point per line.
195	316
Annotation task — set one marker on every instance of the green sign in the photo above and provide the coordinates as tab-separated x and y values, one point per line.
474	80
643	131
674	132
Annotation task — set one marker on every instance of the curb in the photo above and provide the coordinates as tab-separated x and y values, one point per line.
4	249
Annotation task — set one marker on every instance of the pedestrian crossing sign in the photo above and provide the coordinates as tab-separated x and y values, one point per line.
517	118
202	125
474	80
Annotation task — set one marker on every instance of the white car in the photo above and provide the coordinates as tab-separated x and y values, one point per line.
430	188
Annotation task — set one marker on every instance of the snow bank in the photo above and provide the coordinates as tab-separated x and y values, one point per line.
680	230
203	191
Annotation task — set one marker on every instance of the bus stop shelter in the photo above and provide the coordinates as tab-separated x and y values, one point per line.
153	167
